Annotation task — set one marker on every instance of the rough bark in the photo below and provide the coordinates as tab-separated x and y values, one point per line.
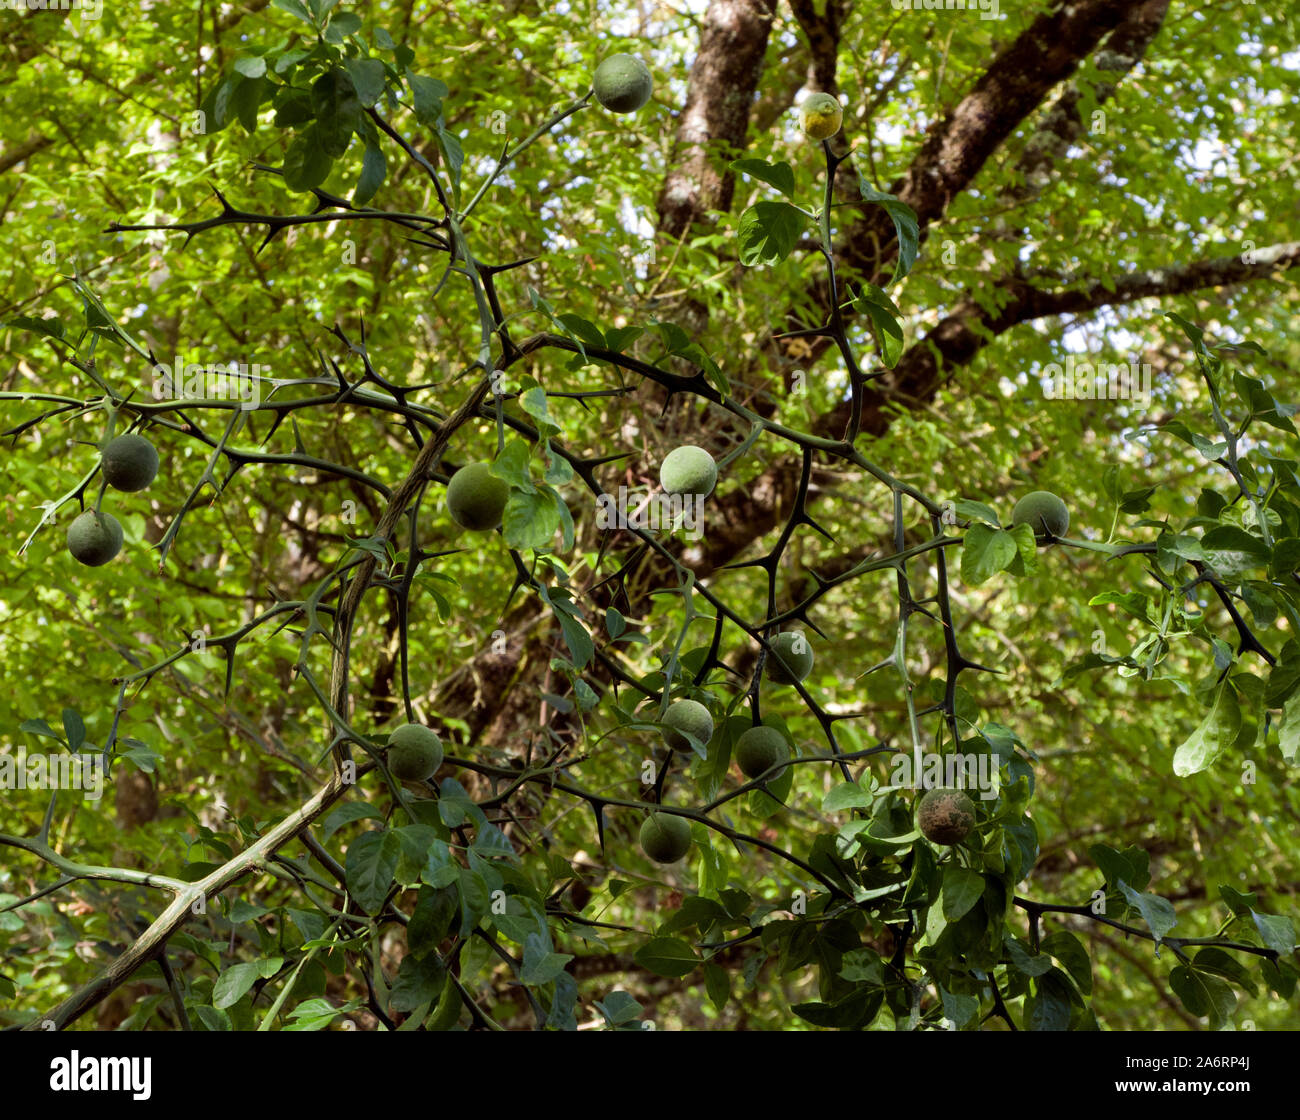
712	127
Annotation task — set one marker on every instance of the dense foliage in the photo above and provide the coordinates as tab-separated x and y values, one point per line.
324	257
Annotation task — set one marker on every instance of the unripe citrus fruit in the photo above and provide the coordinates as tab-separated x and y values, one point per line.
414	752
945	816
759	749
820	116
1045	512
690	716
622	83
688	470
476	498
129	462
665	838
793	659
94	538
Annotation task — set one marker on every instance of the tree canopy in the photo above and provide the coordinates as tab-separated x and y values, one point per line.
324	256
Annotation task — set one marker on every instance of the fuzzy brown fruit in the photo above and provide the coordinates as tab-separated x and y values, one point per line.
945	816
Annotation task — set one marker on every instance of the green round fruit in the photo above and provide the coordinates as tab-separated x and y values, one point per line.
622	83
414	752
1045	512
793	659
129	462
690	716
945	816
476	498
820	116
688	470
94	538
759	749
665	838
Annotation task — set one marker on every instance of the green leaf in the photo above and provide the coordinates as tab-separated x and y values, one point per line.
1131	602
233	984
1203	994
426	98
717	982
341	26
976	511
618	1008
368	76
74	729
533	402
1216	731
50	328
530	520
419	982
849	1013
305	163
347	813
250	66
374	169
582	329
985	552
1130	866
541	964
779	175
768	232
1288	731
1157	912
370	865
338	111
906	227
1229	538
295	8
1070	951
962	888
846	795
1276	932
667	956
1048	1009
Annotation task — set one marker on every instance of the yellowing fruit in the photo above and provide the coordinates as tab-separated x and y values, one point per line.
820	116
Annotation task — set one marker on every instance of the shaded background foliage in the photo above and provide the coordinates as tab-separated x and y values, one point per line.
1075	172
